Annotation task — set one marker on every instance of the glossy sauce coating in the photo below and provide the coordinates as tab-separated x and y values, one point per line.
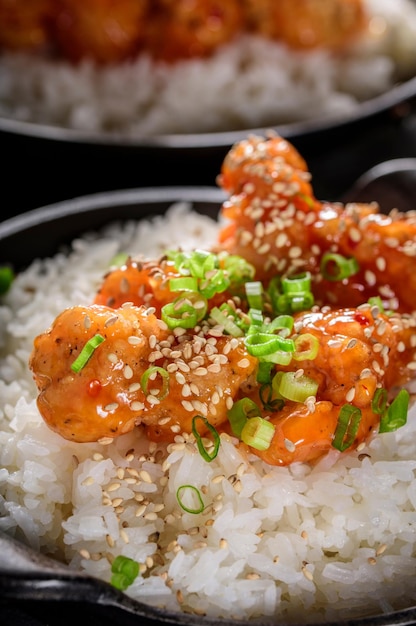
107	397
278	225
114	31
273	220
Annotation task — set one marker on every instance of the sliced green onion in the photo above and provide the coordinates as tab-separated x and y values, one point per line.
258	433
396	414
306	347
6	278
336	267
200	262
119	259
378	302
194	503
185	311
124	572
87	352
207	456
276	380
301	301
238	269
268	401
297	388
261	344
228	323
183	283
240	412
282	324
274	290
379	401
264	372
277	358
293	302
256	318
298	283
215	281
349	419
150	374
254	293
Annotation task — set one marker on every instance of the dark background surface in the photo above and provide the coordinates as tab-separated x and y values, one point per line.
37	172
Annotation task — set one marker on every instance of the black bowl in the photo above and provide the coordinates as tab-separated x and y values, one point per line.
61	163
35	590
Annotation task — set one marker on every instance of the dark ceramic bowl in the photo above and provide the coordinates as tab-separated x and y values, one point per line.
34	590
62	163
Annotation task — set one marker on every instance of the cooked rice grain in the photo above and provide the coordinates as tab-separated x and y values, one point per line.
292	544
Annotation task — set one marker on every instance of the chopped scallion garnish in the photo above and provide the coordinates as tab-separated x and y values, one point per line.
214	282
185	311
119	259
87	352
206	455
260	344
228	322
298	283
379	401
306	347
124	572
254	293
396	414
258	433
336	267
297	387
240	412
150	374
183	283
6	278
190	499
349	419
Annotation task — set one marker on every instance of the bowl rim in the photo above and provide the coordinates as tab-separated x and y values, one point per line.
95	202
60	586
400	93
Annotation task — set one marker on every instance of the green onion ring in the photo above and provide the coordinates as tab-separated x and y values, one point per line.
297	388
202	450
254	293
379	401
183	283
195	492
335	267
349	419
124	572
146	376
298	283
240	412
226	322
262	344
258	433
306	347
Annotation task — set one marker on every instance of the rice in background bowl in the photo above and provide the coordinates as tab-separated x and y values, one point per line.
294	544
247	83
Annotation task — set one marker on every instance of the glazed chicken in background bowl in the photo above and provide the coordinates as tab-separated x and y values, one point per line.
207	395
137	70
91	99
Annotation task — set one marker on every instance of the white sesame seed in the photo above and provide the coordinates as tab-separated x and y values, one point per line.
112	406
127	372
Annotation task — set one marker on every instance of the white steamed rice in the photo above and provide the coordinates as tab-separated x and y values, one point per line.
295	544
247	84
